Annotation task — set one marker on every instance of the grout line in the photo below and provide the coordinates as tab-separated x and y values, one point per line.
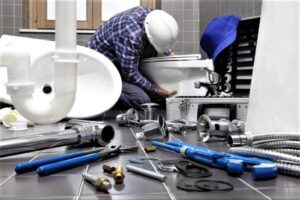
86	170
267	197
264	195
151	162
34	157
81	184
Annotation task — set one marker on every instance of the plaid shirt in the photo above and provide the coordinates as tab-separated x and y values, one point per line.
121	40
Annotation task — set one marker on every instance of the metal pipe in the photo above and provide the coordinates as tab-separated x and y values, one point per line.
149	109
208	129
99	134
147	173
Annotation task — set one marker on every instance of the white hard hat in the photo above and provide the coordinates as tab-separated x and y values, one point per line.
161	29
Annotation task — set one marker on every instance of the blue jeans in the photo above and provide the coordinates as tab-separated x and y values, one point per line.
132	97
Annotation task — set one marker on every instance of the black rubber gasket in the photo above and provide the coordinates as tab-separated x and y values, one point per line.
190	169
212	185
188	186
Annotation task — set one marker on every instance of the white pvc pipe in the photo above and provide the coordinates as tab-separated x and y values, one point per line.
55	106
65	25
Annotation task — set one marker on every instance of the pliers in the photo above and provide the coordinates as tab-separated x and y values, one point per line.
59	163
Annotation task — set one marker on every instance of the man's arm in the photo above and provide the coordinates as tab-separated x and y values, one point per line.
127	52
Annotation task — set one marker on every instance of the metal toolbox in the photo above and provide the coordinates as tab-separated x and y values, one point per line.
191	108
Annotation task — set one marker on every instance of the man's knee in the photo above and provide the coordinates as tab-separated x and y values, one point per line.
143	98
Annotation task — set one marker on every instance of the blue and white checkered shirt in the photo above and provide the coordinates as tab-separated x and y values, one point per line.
121	40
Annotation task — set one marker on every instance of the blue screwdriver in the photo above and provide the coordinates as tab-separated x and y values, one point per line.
33	165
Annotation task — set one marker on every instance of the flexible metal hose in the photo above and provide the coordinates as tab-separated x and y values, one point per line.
294	152
249	138
279	145
277	135
288	169
287	164
262	153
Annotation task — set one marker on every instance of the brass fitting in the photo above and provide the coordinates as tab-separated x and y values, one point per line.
103	184
118	175
108	169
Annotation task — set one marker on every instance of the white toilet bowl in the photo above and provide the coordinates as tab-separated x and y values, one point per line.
177	73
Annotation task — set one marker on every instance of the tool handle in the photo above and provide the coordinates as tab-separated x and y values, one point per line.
166	146
33	165
67	164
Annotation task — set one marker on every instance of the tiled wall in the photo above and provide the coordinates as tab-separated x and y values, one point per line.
210	9
191	15
194	15
186	13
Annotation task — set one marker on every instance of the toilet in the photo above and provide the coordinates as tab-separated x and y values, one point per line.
177	73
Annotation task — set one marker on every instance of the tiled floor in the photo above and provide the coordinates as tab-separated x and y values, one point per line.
69	184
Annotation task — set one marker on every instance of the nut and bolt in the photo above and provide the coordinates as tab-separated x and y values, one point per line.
102	184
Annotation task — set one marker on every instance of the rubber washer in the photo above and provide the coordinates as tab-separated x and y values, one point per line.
190	169
188	186
211	185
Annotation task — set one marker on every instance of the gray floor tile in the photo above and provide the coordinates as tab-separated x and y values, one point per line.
35	186
141	185
145	196
283	192
231	195
66	184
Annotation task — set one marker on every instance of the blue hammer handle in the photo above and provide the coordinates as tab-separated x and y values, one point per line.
33	165
67	164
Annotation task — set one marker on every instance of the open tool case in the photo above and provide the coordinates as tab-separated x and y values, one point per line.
235	65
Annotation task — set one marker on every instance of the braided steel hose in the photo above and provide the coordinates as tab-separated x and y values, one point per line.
294	152
287	164
248	138
279	145
288	169
262	153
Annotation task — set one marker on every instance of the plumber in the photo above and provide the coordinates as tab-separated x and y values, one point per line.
129	37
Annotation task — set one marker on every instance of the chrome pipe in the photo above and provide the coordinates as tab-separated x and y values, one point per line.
100	134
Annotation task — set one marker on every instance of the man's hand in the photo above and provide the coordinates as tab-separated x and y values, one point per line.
165	93
172	53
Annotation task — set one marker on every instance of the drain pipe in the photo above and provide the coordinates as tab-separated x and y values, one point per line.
55	106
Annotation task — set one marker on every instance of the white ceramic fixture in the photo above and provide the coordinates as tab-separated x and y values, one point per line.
177	72
98	81
274	104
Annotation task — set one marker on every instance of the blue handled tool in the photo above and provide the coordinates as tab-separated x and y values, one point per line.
234	164
74	162
33	165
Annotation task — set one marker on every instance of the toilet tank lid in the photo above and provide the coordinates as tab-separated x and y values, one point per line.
188	57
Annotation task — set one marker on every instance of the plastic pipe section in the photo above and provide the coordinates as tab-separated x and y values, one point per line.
55	106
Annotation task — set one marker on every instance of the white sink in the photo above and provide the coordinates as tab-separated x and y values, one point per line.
98	82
